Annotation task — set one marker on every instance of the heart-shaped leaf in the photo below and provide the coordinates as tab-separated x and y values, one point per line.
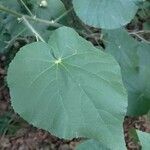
69	88
106	14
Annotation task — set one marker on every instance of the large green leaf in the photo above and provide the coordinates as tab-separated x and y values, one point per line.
108	14
69	88
91	145
144	140
133	58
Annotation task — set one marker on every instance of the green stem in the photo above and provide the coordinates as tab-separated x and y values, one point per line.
26	7
63	15
19	15
32	29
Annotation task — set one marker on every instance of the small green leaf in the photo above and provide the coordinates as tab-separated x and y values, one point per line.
106	14
69	88
144	140
91	145
133	58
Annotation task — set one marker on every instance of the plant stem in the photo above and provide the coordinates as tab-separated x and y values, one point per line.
139	32
19	15
14	13
63	15
10	43
140	37
26	7
32	29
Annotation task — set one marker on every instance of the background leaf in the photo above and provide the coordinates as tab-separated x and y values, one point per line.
6	23
69	88
133	58
144	139
106	14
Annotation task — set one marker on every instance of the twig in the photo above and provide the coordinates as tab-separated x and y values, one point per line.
26	7
32	29
140	32
10	43
19	15
138	36
63	15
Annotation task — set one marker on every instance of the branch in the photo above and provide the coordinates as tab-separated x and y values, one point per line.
19	15
137	34
140	32
26	7
32	29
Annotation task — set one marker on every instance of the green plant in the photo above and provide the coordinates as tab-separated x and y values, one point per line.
8	125
65	85
144	139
